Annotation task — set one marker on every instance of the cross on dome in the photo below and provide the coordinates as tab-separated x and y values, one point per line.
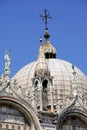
45	17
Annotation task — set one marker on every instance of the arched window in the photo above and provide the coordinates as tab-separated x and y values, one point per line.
11	118
44	84
47	55
54	55
50	55
73	123
44	94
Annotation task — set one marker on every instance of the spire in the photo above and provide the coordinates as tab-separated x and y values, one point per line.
41	54
7	64
41	67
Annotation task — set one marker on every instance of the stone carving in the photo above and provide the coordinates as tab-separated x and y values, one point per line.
1	80
7	59
7	64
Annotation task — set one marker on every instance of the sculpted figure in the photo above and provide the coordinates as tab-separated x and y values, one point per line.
7	61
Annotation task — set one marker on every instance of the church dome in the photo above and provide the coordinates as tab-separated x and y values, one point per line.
46	94
50	83
61	71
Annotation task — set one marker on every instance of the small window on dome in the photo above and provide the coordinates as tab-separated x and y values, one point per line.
54	55
50	55
47	55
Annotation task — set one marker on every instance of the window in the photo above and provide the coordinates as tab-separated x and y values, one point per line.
73	127
74	123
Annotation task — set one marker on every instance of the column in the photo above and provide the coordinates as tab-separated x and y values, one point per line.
41	102
33	97
51	90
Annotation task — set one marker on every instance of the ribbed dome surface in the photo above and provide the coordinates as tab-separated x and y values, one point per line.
60	70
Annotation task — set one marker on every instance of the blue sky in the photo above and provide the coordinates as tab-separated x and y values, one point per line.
21	27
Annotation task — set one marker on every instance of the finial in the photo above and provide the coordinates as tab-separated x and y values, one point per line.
45	18
46	35
7	64
40	40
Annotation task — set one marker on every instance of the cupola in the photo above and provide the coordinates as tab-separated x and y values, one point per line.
49	50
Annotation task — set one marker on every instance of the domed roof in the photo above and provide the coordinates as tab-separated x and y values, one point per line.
66	79
60	70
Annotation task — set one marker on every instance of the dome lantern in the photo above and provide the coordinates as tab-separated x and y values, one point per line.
49	50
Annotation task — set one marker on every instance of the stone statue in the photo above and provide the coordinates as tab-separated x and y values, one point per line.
7	61
75	82
75	75
7	65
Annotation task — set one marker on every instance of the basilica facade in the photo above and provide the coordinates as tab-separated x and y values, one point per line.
46	94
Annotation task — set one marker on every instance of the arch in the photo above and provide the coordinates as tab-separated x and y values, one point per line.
71	113
51	55
44	94
44	83
23	107
54	55
46	55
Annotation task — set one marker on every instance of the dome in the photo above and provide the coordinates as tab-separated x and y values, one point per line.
62	74
49	83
